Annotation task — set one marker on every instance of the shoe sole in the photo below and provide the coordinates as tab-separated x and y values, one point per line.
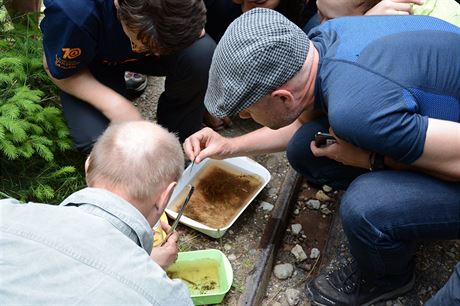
314	302
394	293
385	296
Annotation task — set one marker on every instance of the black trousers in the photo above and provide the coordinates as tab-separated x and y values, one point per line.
180	106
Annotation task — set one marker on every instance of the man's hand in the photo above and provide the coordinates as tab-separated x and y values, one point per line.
206	143
343	152
393	7
166	254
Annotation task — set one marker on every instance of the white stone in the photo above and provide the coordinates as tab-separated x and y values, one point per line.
266	206
283	271
296	228
232	257
292	296
314	253
298	253
327	188
227	247
272	192
321	196
313	204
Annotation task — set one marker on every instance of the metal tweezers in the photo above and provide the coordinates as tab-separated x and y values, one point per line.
179	214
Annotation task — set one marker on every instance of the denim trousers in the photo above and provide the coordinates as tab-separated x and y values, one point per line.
450	293
383	213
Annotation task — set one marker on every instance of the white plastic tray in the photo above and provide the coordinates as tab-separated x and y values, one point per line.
245	163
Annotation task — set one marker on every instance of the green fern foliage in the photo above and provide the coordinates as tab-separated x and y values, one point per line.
34	139
30	126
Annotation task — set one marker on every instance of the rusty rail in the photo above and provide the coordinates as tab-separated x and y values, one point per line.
257	280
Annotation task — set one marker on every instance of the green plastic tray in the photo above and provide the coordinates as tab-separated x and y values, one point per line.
225	274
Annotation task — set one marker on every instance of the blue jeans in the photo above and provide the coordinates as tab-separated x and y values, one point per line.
318	170
450	293
383	212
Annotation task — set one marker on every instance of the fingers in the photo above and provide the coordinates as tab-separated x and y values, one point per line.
193	145
328	151
166	254
337	139
165	226
331	131
189	145
393	7
402	8
318	152
172	240
419	2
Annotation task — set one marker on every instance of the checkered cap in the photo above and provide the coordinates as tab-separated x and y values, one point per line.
260	51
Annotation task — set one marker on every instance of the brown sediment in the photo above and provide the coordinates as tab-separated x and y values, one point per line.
220	193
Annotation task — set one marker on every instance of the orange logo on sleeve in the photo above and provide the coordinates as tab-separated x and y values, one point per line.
71	53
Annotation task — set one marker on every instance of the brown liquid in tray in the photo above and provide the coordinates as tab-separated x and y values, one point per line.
220	193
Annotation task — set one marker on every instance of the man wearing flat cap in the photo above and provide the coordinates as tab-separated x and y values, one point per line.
388	89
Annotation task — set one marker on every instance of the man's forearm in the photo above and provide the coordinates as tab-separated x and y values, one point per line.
441	153
265	140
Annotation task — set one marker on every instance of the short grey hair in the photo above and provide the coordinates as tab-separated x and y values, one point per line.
139	157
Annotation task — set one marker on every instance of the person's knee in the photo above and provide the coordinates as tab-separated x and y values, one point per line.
359	205
85	122
298	151
300	157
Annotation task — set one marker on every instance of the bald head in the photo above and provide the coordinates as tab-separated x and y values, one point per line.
138	158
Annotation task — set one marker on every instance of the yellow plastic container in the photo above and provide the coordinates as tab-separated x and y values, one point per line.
158	233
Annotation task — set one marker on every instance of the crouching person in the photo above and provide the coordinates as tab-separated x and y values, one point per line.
96	247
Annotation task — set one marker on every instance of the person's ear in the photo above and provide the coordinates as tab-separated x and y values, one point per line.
284	95
87	162
164	197
244	114
117	6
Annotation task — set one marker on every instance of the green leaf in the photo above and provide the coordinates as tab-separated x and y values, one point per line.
43	192
10	110
26	150
63	172
18	134
43	151
8	149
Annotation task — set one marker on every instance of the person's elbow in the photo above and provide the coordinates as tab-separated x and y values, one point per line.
61	83
45	66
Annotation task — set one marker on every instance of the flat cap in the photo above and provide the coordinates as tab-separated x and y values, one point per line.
260	51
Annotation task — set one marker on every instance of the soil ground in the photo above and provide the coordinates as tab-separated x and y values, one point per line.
435	260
